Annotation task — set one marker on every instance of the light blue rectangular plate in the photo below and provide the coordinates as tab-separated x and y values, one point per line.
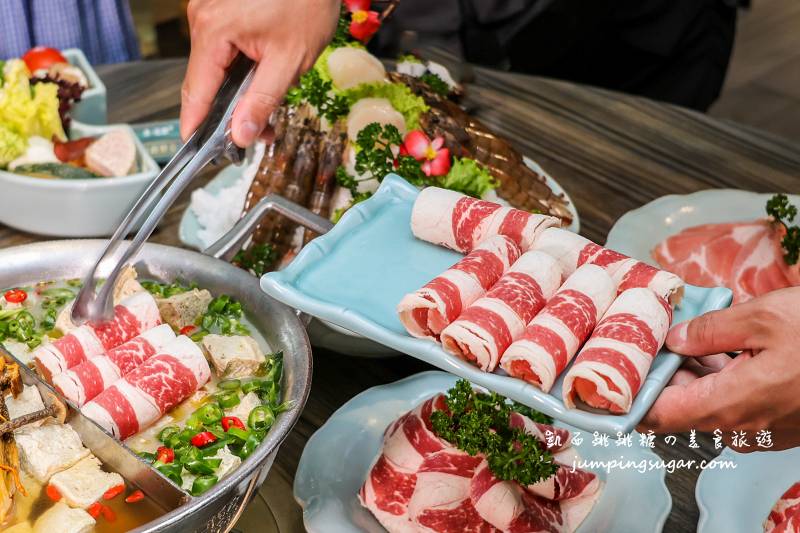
355	275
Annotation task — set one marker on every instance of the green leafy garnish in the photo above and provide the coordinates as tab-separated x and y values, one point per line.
319	93
436	83
342	35
478	422
257	259
784	213
469	177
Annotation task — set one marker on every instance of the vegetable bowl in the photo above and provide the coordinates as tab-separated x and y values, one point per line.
83	207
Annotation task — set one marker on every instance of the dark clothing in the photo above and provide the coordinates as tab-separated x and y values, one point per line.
670	50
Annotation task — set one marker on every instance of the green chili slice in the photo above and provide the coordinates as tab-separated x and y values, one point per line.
260	418
202	484
229	384
209	413
228	399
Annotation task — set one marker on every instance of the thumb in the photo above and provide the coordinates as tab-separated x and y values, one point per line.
727	330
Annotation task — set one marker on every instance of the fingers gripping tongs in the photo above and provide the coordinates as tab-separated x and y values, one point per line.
211	141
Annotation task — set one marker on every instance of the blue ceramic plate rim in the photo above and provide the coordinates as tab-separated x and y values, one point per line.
708	501
403	395
189	225
664	215
281	286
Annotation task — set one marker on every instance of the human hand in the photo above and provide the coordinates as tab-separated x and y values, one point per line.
283	37
756	390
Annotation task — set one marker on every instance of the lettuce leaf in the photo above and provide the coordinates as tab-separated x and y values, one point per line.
25	112
468	177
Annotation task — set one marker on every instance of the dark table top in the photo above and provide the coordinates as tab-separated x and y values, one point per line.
611	152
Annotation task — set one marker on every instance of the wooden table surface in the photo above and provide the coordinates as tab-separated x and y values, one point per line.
611	152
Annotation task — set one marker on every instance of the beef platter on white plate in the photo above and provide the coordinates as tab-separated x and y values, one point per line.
180	376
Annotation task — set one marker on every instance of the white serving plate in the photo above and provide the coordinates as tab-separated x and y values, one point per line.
74	208
638	231
327	489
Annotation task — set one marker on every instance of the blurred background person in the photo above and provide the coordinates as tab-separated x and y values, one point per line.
103	29
670	50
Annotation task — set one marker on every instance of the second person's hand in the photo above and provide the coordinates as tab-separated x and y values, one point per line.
757	390
283	37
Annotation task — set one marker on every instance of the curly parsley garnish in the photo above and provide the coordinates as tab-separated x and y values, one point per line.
784	213
436	83
479	423
319	94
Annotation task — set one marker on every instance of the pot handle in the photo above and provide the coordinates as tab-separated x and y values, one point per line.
230	243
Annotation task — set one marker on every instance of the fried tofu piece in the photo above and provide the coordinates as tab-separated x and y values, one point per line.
242	411
234	356
28	401
48	449
85	483
181	310
127	284
64	519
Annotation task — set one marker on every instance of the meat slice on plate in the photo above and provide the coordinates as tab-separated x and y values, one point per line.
611	367
84	483
183	309
509	507
461	223
386	493
64	519
573	251
48	449
746	257
441	501
427	311
785	514
411	439
552	338
486	328
233	356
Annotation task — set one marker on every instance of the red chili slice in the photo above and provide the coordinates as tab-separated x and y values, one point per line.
71	150
94	509
185	330
165	455
53	493
203	439
228	421
108	513
16	296
113	492
135	496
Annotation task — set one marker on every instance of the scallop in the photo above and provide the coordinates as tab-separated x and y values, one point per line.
369	110
350	66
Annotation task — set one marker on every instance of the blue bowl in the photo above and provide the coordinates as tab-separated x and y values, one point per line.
631	501
92	107
355	275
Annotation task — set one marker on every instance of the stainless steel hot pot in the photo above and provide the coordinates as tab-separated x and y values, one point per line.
218	509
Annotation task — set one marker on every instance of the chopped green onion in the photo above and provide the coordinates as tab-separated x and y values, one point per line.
254	385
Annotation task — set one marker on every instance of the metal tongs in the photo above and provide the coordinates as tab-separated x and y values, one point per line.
210	142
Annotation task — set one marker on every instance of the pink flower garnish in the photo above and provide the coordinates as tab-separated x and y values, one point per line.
435	159
363	22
